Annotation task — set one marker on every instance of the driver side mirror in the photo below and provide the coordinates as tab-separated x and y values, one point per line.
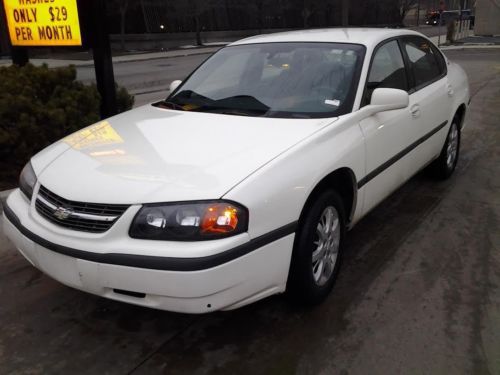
174	85
385	99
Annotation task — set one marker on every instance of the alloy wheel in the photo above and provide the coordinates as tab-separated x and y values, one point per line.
325	255
452	148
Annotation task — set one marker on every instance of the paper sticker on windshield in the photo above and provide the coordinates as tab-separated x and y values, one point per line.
334	102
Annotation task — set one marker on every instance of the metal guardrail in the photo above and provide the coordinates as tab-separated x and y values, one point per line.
461	30
456	30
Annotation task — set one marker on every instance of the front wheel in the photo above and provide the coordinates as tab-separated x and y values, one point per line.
446	163
317	250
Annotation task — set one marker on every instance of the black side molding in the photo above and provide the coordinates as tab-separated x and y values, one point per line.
156	262
370	176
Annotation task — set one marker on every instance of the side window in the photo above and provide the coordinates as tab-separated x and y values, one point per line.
424	63
387	70
440	59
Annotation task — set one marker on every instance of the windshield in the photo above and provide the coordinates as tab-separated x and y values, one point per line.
292	80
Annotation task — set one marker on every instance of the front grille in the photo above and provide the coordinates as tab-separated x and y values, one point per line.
86	217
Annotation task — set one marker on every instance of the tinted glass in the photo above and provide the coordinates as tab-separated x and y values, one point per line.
440	59
275	80
387	69
423	62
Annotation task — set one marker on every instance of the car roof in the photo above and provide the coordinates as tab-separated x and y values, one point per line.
369	37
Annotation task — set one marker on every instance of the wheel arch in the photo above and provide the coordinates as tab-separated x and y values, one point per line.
460	115
343	181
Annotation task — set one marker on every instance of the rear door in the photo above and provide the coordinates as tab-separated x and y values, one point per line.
430	100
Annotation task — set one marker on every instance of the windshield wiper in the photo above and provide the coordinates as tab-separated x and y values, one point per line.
244	102
241	105
236	111
170	105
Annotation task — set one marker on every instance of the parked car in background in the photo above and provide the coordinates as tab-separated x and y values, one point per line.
244	181
443	18
432	18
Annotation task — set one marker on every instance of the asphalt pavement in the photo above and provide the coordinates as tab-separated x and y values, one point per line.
148	80
418	291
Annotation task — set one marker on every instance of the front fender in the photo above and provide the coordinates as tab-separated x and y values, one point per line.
276	194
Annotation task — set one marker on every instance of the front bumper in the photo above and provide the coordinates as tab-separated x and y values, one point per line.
221	280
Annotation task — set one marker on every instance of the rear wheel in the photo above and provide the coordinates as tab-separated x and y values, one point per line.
317	250
446	163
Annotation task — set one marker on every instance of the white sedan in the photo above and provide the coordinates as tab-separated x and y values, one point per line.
243	182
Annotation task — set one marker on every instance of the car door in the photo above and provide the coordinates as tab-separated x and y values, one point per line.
430	100
386	133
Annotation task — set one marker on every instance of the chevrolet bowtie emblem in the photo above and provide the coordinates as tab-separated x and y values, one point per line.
62	213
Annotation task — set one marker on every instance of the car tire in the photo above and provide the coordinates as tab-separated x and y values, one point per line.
317	250
445	164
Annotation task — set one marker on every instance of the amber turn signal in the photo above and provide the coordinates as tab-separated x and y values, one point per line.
220	218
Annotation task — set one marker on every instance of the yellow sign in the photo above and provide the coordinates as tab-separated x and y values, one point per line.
43	22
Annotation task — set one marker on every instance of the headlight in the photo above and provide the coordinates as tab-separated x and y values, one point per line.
27	180
198	221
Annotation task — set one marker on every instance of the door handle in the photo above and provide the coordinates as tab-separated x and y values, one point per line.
415	110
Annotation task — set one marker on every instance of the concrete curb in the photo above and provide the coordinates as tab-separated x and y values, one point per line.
470	46
151	90
55	63
204	52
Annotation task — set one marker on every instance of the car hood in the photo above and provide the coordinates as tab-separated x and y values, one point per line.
151	154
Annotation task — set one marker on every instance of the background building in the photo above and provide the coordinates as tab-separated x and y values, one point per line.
487	17
215	15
